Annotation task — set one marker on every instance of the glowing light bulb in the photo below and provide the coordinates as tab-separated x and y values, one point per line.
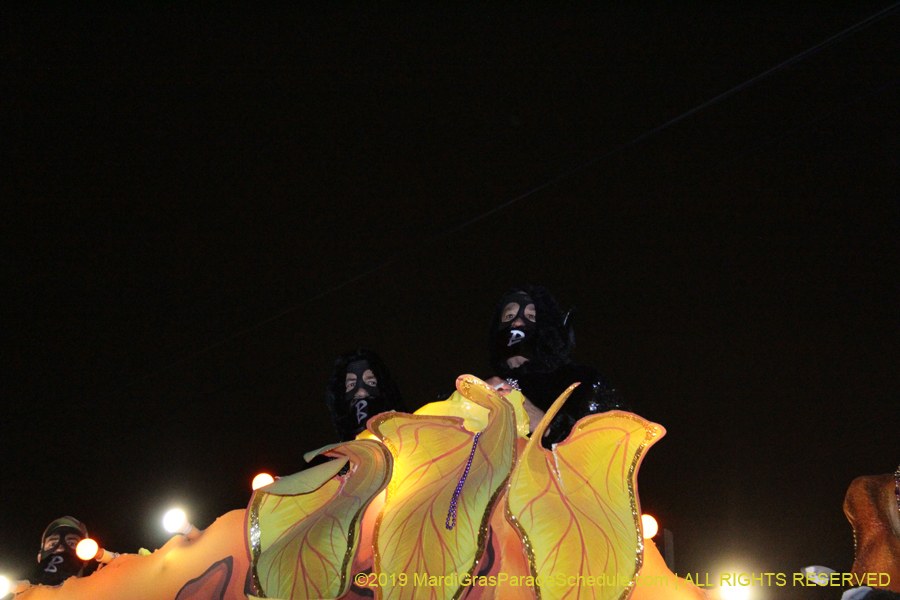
13	587
650	526
736	592
262	480
175	521
87	549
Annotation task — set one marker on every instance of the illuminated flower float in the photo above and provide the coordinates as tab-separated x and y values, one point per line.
454	501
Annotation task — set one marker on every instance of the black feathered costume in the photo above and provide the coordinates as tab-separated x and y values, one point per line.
549	369
348	417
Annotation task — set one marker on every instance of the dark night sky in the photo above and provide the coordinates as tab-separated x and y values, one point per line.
183	190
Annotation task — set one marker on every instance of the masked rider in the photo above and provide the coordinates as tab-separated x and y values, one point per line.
57	560
531	341
360	388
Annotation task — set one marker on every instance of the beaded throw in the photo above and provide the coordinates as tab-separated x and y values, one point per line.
451	514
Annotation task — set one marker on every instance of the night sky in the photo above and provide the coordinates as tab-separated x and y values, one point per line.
201	208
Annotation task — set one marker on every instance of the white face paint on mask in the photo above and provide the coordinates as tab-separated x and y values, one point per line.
517	326
364	399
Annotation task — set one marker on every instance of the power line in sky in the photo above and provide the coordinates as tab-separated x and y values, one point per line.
811	51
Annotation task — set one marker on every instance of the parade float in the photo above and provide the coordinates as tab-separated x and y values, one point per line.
872	506
453	501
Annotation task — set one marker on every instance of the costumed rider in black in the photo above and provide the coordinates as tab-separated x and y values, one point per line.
57	560
360	388
531	341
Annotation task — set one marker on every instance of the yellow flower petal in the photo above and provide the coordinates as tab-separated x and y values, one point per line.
577	509
303	537
431	454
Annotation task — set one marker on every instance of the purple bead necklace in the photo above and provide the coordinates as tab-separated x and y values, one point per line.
451	515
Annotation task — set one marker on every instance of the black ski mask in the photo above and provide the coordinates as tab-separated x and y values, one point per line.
60	562
362	407
548	341
349	414
518	340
